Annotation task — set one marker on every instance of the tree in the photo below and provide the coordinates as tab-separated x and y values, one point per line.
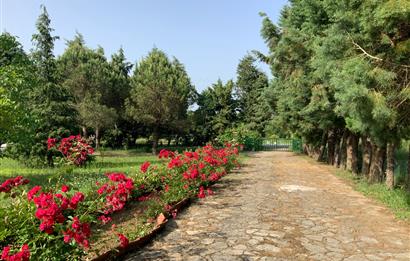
120	86
340	74
118	91
250	88
16	81
50	102
93	84
96	115
160	93
223	106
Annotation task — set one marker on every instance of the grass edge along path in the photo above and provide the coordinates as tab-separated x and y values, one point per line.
397	200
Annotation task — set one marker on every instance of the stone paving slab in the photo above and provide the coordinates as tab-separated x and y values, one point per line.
282	207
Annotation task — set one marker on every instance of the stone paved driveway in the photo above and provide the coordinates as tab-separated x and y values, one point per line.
282	207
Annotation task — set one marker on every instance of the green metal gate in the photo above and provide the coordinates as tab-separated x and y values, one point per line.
282	145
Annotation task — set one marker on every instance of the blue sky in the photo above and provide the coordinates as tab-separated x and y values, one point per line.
208	36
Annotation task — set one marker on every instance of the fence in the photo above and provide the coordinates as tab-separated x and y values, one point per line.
282	145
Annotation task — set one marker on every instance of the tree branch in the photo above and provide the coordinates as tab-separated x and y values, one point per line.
372	56
364	51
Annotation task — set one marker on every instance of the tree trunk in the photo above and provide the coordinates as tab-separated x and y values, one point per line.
50	161
367	154
155	136
376	165
169	140
306	149
408	170
342	150
390	165
331	147
85	133
336	158
322	147
97	138
351	153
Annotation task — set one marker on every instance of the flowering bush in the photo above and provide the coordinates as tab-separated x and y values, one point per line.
74	149
7	185
57	223
35	219
116	194
22	255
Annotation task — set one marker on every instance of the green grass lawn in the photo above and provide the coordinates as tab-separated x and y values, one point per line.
82	178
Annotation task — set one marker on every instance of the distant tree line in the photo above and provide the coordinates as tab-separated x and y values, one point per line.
341	81
114	101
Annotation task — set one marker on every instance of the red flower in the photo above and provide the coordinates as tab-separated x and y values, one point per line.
104	219
77	198
51	142
118	194
194	173
80	233
201	165
175	162
102	189
65	188
174	213
185	175
166	154
123	240
201	193
33	192
74	148
5	253
10	183
144	166
23	255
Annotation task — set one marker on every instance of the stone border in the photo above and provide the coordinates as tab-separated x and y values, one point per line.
142	241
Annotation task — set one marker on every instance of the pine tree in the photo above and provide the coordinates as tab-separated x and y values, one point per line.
51	103
250	88
160	94
341	73
90	79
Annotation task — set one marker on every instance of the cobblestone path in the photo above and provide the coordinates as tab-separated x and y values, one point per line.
282	207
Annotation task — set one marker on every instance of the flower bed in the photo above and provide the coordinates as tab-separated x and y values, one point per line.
69	224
